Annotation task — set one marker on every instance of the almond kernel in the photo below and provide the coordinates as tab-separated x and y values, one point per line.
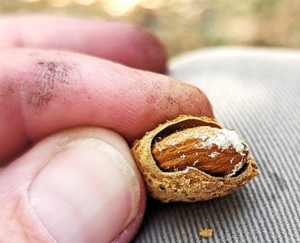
216	151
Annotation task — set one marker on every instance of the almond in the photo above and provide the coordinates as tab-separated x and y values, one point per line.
216	151
193	159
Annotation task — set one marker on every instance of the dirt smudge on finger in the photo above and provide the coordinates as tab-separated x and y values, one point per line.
6	90
50	79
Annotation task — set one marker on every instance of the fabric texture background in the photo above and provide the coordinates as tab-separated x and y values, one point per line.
256	92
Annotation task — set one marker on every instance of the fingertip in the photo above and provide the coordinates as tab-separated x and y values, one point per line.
119	42
153	55
80	185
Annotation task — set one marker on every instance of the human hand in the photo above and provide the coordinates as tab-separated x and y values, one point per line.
65	176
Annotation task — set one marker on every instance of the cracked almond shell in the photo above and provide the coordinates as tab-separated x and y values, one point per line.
191	184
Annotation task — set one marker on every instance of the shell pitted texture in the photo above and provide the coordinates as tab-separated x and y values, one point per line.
191	184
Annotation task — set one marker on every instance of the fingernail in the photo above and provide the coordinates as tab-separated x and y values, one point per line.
87	192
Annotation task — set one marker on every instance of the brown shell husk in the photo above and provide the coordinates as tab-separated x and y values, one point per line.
191	184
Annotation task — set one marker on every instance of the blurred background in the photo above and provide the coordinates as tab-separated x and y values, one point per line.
185	25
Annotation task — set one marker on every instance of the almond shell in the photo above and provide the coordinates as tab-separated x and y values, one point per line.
191	184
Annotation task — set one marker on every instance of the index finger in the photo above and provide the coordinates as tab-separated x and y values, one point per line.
42	92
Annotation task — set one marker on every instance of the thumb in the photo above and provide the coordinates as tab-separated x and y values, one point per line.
79	185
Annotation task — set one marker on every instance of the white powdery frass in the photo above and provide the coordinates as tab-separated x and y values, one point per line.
224	139
160	149
236	168
173	142
213	154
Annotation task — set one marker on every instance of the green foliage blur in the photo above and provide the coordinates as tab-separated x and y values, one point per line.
185	25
